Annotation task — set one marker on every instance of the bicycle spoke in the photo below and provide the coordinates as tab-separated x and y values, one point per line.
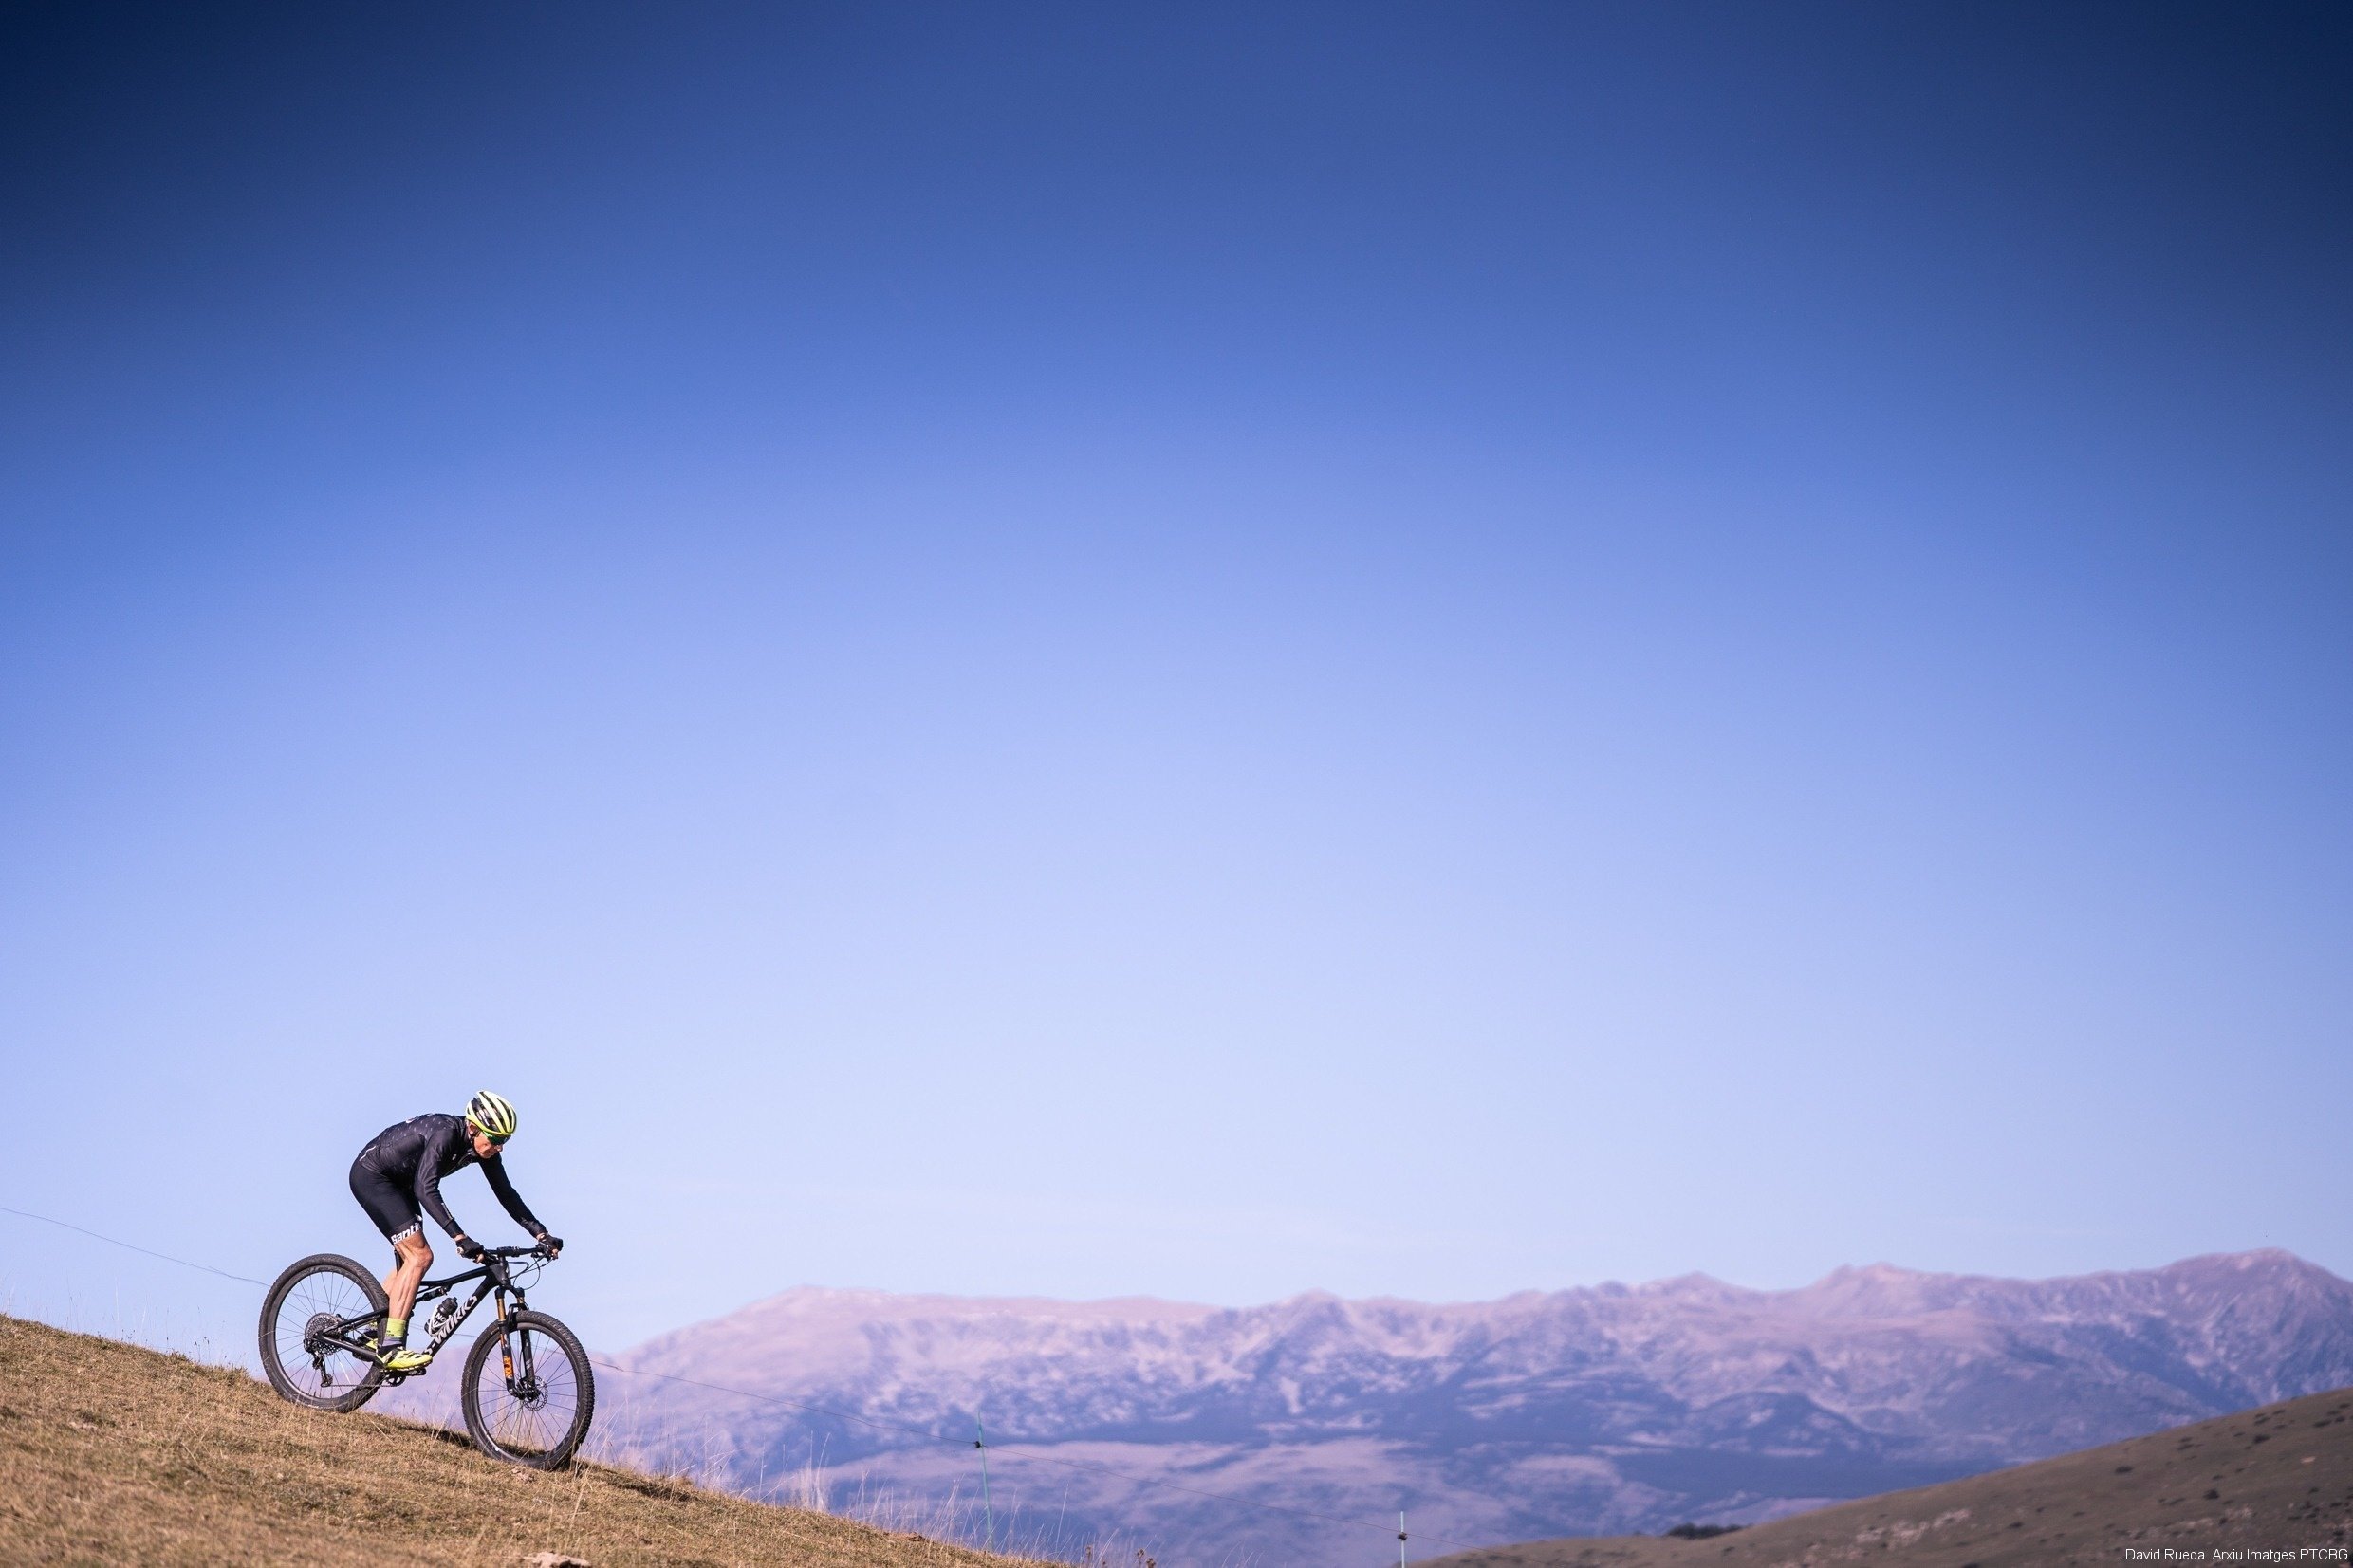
308	1336
527	1427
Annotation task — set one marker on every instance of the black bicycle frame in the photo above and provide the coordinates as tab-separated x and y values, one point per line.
497	1277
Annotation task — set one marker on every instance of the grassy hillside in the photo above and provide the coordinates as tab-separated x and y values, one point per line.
111	1454
2279	1478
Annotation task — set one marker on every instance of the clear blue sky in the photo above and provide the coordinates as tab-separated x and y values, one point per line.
1417	650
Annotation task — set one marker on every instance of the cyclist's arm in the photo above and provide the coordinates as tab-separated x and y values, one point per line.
494	1170
429	1184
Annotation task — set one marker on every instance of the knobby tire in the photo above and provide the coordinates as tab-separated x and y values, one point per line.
323	1284
545	1436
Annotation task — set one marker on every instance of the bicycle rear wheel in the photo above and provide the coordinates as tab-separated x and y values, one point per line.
529	1393
306	1361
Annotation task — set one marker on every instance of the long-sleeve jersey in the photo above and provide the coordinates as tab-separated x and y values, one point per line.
420	1152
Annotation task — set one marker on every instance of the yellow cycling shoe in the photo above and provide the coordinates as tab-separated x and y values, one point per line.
406	1361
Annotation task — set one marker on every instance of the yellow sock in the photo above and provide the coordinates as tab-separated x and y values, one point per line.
396	1328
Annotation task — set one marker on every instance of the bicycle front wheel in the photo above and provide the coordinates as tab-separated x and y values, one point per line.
529	1393
304	1333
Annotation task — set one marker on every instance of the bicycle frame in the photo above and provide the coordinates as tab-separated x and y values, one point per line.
496	1272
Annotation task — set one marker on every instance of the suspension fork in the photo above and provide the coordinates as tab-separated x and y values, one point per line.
506	1339
507	1346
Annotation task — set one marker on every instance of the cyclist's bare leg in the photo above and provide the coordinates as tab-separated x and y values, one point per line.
401	1285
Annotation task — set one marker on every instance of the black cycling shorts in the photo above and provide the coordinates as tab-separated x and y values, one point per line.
392	1205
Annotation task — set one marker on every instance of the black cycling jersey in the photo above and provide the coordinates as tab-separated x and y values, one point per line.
413	1155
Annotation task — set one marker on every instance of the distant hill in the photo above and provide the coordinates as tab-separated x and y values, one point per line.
2275	1480
110	1454
1579	1412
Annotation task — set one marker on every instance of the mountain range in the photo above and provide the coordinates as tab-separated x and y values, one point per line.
1602	1411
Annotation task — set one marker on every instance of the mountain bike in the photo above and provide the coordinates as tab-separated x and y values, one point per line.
324	1317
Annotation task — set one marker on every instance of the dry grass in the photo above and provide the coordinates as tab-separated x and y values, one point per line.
2279	1479
112	1454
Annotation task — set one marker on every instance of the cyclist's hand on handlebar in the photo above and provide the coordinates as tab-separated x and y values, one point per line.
469	1249
553	1245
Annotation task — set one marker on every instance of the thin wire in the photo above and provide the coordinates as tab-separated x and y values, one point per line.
127	1246
931	1437
1228	1497
926	1433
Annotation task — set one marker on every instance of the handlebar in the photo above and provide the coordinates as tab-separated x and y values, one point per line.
494	1262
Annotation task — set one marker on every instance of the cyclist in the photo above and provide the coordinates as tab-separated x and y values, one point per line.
399	1172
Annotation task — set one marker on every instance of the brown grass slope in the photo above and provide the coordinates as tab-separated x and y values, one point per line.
2276	1479
111	1454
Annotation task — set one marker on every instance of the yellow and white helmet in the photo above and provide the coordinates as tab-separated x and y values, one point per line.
491	1116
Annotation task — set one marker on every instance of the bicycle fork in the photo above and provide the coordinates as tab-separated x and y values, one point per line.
528	1384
